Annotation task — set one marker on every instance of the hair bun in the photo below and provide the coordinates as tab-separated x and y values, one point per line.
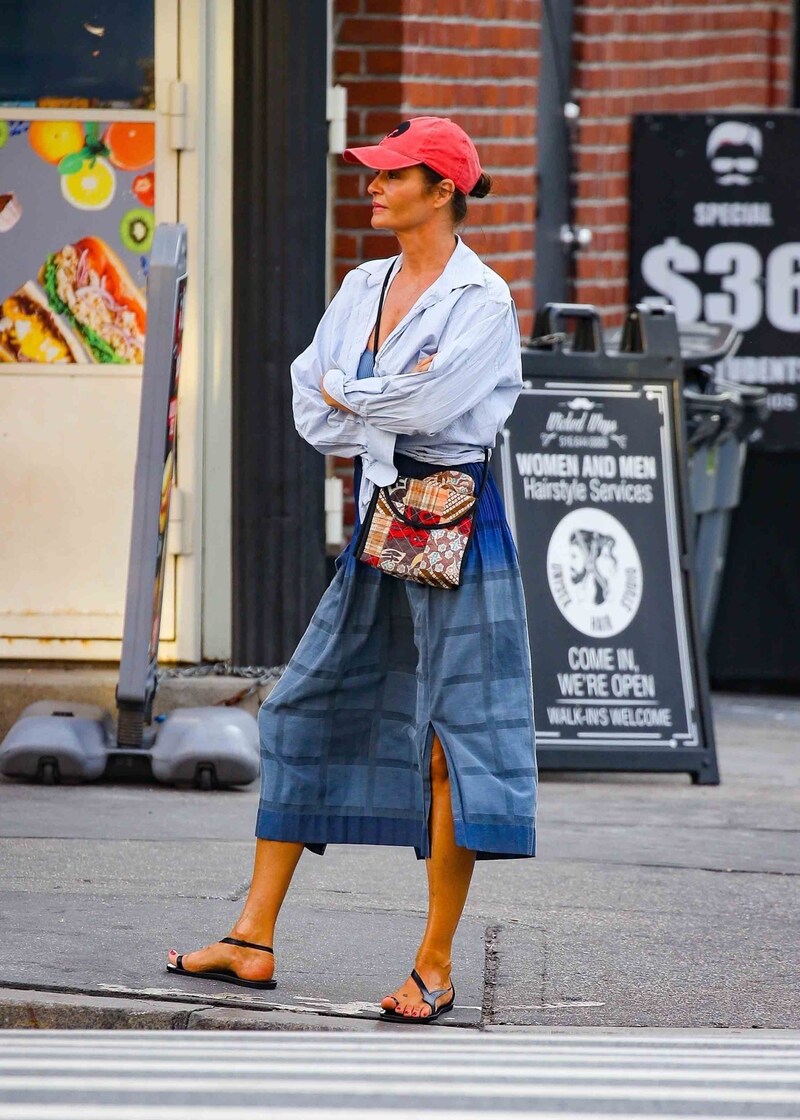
482	187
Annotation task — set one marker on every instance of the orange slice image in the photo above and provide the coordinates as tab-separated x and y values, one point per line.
132	144
52	140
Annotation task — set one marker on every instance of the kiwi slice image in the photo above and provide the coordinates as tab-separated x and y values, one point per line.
136	230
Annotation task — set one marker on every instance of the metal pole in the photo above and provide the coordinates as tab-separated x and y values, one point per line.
280	188
794	92
554	207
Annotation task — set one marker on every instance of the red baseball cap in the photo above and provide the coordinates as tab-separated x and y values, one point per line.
435	141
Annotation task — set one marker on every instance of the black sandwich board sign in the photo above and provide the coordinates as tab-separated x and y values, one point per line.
592	471
715	229
155	469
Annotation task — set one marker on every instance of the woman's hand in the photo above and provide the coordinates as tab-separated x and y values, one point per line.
423	364
331	401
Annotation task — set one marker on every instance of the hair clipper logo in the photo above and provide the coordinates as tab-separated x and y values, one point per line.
594	572
733	150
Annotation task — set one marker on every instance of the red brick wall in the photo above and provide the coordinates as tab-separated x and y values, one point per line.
637	56
475	62
478	62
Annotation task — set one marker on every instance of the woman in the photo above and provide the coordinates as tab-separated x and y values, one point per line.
405	715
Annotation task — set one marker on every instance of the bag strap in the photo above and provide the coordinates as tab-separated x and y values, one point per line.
415	523
380	306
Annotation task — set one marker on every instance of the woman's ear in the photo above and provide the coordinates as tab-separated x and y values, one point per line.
444	192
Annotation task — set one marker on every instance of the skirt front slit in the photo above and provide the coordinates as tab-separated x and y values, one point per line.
386	663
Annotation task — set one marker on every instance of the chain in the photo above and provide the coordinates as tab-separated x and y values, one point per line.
259	674
547	341
222	669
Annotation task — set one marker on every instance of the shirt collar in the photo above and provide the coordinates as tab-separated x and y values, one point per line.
464	268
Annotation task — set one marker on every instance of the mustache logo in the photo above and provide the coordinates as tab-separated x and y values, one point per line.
734	179
734	150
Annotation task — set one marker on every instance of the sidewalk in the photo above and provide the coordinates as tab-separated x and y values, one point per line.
653	903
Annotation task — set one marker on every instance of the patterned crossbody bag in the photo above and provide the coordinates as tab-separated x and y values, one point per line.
420	528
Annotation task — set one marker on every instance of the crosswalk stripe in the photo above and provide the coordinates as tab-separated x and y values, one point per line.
168	1050
686	1067
443	1085
433	1039
455	1067
258	1112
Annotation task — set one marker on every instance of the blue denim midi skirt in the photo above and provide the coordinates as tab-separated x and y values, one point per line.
346	734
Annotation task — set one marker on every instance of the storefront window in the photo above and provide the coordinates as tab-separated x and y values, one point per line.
84	53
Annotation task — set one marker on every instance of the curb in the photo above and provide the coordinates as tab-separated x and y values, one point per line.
60	1011
24	1009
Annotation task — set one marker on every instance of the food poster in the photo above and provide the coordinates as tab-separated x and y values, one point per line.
76	228
592	492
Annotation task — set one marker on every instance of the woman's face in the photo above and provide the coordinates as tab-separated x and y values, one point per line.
403	200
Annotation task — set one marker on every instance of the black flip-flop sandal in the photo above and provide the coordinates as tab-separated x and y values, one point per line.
226	974
427	997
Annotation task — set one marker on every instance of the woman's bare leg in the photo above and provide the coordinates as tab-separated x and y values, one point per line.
449	874
273	868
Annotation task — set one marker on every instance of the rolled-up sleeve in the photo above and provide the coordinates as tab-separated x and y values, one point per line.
481	349
329	430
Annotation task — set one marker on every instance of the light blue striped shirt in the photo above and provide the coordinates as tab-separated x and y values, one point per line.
446	415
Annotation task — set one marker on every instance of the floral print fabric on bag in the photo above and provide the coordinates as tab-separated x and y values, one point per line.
425	554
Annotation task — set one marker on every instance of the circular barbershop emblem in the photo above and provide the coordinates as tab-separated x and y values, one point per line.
594	572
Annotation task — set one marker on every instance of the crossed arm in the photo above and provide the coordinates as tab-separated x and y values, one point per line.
475	356
421	367
346	416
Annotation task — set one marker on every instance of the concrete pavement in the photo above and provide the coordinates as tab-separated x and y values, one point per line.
652	903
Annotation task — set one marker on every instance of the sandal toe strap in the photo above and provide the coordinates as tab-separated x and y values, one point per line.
428	997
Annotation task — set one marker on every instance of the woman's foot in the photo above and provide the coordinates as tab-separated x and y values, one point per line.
407	999
247	964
